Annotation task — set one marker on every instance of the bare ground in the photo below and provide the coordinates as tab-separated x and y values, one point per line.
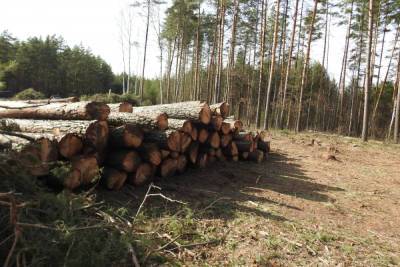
297	208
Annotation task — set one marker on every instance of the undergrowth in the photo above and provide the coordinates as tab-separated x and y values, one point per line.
62	228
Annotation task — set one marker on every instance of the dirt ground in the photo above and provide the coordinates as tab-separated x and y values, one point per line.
298	208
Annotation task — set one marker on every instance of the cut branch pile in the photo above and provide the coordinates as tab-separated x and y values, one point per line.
133	144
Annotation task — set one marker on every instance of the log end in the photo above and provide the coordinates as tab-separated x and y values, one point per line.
98	111
205	114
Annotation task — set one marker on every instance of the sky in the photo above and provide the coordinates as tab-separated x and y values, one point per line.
95	24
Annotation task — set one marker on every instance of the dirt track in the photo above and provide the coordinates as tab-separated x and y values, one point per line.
297	208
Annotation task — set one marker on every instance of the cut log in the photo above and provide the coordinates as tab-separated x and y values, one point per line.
174	154
193	151
44	149
121	107
214	140
225	128
182	163
231	150
70	134
114	179
256	155
164	153
202	135
235	158
53	100
243	136
96	137
244	145
129	136
124	160
84	170
70	145
202	159
236	125
186	140
219	155
147	121
264	145
168	167
57	111
244	155
226	139
216	122
221	109
191	110
151	153
180	125
143	174
169	139
194	134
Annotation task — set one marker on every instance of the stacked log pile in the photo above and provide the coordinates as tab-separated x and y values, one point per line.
129	144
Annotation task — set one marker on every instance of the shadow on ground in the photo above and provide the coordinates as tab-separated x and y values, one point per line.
225	189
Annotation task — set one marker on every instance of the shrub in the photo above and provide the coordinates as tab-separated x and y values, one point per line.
29	93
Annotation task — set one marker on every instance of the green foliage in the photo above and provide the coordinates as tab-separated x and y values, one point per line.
112	98
29	93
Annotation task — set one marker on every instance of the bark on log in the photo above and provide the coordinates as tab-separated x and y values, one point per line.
191	110
151	153
114	179
128	136
121	107
57	111
256	155
143	174
180	125
221	109
168	167
169	139
125	160
147	121
53	100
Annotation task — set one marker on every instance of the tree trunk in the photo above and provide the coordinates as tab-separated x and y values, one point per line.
305	66
368	80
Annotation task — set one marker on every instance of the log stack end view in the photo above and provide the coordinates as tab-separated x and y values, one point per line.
129	144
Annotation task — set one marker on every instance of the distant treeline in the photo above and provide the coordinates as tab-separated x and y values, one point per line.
52	67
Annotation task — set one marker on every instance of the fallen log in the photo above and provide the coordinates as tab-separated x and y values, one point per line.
168	167
235	125
84	170
214	140
244	146
169	139
124	160
57	111
70	145
121	107
114	179
151	153
231	150
192	152
202	135
129	136
186	140
194	134
216	122
180	125
182	163
143	175
147	121
191	110
221	109
256	155
53	100
226	139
